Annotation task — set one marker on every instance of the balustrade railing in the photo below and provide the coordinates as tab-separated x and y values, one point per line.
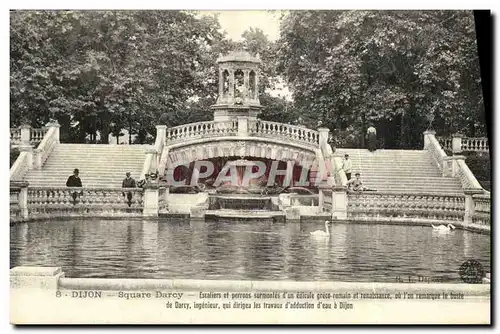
467	178
36	135
51	202
475	144
482	209
284	131
32	136
389	205
202	130
15	136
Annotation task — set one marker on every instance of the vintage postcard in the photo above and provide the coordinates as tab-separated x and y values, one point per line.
249	167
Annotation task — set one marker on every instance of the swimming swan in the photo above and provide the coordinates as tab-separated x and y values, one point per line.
321	232
443	228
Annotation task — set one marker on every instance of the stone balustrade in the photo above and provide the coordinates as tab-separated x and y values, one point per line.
391	206
201	130
284	131
15	136
467	178
25	135
476	144
482	209
91	202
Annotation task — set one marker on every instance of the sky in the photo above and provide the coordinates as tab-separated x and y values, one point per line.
235	22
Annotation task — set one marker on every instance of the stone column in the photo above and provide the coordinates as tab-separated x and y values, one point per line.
150	200
161	132
469	207
242	127
37	158
23	201
454	164
221	82
456	143
56	131
447	163
246	77
339	203
25	134
256	97
323	136
427	135
154	160
231	83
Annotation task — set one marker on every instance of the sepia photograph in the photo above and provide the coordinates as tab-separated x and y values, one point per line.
249	167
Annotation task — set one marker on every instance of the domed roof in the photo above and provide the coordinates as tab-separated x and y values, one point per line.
238	56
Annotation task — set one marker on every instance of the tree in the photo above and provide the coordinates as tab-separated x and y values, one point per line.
93	69
395	69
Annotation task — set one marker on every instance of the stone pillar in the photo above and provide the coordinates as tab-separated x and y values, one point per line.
35	277
231	84
339	203
242	127
256	97
37	158
25	134
456	143
447	162
161	131
154	160
221	82
469	208
427	135
246	78
454	164
23	201
150	200
29	151
323	136
56	131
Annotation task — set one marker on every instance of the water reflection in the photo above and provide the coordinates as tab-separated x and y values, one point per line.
254	250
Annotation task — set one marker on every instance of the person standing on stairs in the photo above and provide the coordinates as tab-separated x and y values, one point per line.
347	166
74	181
371	136
128	182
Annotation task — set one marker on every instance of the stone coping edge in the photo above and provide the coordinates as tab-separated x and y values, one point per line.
278	286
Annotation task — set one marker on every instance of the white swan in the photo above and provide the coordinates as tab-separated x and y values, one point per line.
443	228
321	232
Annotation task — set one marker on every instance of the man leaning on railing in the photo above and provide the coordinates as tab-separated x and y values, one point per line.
128	182
74	181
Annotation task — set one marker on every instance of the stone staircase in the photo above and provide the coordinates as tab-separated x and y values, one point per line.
402	171
101	166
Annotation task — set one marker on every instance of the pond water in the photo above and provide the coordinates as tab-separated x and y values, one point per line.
250	250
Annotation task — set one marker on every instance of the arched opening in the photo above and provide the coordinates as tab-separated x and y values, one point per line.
239	84
251	83
225	83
